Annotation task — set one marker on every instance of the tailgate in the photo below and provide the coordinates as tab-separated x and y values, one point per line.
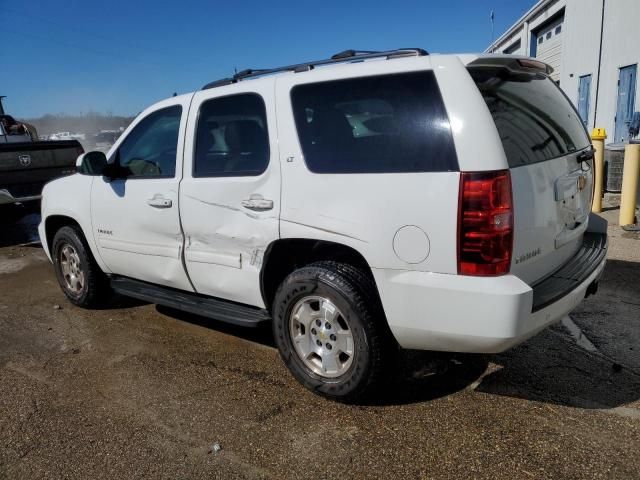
39	155
549	155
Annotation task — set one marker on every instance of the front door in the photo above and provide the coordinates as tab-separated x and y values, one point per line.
626	102
584	92
230	193
136	222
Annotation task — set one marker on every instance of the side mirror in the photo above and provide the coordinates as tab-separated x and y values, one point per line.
92	163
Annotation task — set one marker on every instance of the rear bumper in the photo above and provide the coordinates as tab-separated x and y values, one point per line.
428	311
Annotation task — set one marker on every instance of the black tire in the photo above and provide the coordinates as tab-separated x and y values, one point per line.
355	295
95	290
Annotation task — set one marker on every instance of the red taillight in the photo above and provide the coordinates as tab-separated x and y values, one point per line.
485	223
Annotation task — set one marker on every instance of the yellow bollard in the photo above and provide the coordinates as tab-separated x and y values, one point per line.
630	174
598	137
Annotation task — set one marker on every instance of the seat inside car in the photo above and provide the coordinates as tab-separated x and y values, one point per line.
247	143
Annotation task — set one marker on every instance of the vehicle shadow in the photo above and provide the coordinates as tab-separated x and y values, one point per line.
260	335
550	367
416	376
19	224
553	368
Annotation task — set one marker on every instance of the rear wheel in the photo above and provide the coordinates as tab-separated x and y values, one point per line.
329	328
79	276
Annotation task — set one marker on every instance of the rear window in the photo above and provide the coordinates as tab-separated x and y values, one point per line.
377	124
535	120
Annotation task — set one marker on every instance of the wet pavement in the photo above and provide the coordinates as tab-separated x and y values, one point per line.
137	390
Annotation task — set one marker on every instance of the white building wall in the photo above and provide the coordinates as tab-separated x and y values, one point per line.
580	48
522	30
621	47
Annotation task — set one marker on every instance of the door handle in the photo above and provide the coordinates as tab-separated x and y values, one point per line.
158	201
257	203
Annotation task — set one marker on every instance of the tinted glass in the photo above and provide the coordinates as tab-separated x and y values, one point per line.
389	123
150	149
535	120
232	138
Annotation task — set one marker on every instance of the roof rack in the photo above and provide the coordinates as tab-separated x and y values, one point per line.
341	57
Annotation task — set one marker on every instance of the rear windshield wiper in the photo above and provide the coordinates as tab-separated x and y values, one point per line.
584	156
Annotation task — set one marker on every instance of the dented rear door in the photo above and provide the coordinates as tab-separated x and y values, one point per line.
230	192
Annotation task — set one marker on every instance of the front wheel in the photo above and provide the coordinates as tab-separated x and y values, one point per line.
329	329
77	272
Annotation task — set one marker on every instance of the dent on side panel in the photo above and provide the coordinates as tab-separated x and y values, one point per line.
243	246
223	256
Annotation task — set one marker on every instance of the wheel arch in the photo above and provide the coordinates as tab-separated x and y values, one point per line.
55	222
285	255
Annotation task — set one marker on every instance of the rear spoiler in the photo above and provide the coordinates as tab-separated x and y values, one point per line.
512	62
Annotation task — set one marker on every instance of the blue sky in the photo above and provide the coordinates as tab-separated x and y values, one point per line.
120	56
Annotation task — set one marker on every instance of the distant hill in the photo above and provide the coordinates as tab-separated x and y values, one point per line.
89	123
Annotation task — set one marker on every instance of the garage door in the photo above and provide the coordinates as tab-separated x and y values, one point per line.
549	46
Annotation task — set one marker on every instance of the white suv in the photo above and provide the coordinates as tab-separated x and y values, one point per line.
363	203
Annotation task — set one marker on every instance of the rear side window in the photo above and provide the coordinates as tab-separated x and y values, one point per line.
379	124
232	138
535	120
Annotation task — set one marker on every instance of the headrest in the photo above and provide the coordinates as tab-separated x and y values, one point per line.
244	136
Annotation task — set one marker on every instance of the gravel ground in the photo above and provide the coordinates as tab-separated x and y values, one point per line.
137	390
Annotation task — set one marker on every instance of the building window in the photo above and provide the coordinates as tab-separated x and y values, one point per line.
548	35
513	48
540	40
558	29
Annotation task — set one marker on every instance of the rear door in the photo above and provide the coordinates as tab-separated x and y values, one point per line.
584	95
626	102
230	194
543	139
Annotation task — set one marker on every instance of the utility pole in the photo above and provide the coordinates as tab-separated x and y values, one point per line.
492	17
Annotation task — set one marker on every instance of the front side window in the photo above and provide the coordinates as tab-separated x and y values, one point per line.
150	149
232	138
379	124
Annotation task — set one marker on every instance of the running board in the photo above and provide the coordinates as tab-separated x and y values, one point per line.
215	308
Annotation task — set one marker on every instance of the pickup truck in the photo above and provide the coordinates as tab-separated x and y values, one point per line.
363	203
27	164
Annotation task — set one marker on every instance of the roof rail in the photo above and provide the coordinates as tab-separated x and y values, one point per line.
341	57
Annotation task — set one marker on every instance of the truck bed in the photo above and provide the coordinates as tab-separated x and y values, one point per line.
26	167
